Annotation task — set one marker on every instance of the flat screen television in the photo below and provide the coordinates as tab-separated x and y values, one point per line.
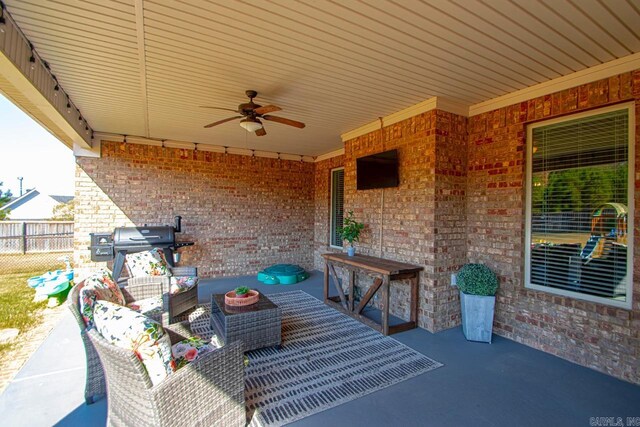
377	171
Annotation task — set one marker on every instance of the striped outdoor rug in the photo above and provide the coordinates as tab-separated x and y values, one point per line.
326	359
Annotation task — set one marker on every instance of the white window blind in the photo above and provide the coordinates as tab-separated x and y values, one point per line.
578	207
337	205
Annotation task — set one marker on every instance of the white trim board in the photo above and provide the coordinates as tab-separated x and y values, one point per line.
591	74
31	87
422	107
330	155
99	137
18	89
169	143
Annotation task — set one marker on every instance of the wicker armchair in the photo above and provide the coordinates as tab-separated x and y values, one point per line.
176	304
95	386
207	392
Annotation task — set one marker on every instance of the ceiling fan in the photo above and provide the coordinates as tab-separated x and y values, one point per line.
251	113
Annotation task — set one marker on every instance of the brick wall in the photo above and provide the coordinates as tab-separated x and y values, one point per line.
450	233
594	335
422	220
244	213
322	206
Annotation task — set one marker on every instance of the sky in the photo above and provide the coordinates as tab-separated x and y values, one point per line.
28	150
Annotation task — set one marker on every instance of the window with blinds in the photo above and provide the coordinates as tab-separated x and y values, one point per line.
337	205
580	206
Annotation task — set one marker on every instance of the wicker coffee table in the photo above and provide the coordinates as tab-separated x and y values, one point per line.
257	325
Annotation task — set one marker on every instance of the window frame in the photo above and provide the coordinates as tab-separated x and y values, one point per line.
331	207
628	303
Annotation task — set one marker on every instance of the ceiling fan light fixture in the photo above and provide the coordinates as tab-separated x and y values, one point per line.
250	124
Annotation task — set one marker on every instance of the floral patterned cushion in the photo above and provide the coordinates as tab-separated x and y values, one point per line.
150	307
98	286
148	263
182	283
130	330
190	349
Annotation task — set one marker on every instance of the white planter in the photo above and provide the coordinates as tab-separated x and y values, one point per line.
477	316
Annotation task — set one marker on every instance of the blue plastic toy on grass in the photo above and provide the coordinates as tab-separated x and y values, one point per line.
282	274
54	285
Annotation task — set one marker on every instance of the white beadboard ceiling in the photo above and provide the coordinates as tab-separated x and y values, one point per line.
142	67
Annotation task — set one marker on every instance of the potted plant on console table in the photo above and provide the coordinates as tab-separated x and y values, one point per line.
478	286
350	231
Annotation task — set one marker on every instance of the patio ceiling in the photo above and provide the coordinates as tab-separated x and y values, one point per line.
142	68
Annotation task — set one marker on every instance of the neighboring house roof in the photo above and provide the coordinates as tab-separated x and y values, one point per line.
33	205
61	199
21	200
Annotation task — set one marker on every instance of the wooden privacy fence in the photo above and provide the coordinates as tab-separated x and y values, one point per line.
577	222
21	237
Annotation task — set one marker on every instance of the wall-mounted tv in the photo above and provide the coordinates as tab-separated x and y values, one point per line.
377	171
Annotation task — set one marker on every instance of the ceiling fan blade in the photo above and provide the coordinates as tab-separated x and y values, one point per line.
219	108
267	109
284	121
219	122
261	132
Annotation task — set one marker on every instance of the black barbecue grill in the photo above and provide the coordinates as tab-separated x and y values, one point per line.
128	240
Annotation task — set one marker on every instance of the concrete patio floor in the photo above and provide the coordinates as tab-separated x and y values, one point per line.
499	384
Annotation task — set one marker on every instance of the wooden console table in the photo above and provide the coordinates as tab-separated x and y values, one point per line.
383	272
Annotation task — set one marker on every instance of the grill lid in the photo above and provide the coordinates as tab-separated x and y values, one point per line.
143	236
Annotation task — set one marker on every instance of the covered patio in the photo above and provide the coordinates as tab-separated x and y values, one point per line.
504	383
498	114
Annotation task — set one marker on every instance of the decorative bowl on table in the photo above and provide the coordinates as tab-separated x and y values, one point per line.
231	299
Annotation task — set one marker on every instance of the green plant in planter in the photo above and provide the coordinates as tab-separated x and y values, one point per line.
351	229
242	292
477	279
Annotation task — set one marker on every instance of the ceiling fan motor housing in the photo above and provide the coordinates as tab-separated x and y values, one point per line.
247	108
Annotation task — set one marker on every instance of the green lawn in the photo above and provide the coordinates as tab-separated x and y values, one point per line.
17	309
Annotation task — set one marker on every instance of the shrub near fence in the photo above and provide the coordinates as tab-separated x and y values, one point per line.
21	237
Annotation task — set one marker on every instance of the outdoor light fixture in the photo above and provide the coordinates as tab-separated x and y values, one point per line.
32	58
251	124
2	20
